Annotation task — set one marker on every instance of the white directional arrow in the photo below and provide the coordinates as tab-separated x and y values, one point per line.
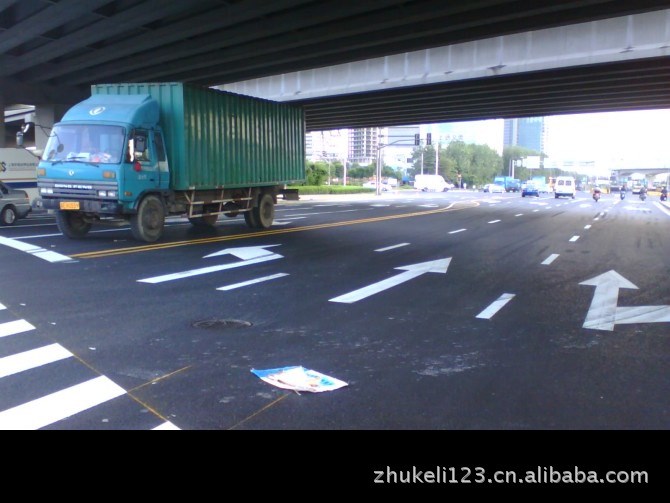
604	312
411	271
244	252
642	314
249	255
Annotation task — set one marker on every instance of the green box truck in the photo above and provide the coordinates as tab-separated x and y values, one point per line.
138	152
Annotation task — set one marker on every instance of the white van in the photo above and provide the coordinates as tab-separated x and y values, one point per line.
564	186
430	183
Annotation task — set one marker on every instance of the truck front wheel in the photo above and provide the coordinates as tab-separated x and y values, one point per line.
72	224
264	213
149	221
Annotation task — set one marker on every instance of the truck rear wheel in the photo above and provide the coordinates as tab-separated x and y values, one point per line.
264	213
72	224
149	221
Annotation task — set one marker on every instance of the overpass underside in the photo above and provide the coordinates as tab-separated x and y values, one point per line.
616	64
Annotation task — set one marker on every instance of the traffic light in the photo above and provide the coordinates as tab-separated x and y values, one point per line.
428	139
417	140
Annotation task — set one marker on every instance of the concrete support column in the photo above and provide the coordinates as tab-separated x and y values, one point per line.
45	117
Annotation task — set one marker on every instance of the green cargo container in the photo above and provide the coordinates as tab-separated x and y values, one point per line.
218	139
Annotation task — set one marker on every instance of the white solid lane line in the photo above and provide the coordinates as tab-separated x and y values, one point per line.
38	252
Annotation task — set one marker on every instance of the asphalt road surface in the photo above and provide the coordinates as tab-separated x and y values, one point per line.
440	311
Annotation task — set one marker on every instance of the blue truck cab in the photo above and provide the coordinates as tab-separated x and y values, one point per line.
118	136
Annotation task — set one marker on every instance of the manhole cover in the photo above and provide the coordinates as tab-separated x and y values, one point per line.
222	324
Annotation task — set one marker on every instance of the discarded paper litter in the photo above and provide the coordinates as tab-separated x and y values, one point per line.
298	378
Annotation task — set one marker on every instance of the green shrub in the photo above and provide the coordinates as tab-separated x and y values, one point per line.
331	189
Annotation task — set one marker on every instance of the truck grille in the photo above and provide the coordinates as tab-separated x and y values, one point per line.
74	189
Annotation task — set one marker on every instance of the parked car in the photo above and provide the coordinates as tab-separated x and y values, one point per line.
373	185
14	204
530	189
493	187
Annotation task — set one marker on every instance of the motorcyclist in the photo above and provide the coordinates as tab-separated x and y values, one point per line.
596	193
643	192
664	194
622	191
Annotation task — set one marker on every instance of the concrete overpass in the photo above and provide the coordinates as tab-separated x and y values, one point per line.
51	51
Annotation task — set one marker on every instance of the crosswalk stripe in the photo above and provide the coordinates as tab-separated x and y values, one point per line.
59	405
26	360
167	425
14	327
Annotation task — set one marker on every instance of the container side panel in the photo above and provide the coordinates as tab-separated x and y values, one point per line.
220	139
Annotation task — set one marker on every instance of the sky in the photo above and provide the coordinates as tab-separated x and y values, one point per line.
603	141
606	141
612	140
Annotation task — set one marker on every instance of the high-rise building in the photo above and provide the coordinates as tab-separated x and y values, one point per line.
527	132
363	145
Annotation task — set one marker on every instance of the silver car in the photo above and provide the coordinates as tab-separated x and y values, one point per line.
14	204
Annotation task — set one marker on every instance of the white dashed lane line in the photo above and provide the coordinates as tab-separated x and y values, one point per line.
550	259
496	306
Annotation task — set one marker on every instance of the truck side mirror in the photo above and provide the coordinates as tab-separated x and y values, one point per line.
19	134
140	144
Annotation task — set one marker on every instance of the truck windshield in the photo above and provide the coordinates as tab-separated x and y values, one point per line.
86	143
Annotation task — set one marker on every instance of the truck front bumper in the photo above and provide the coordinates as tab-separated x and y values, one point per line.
84	205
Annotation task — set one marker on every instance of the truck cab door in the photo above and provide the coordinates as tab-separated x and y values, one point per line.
149	162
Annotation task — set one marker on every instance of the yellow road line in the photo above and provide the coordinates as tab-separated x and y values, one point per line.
268	232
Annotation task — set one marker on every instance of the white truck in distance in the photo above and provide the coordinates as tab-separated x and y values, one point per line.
431	183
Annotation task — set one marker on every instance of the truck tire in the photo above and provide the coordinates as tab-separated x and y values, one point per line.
149	221
72	224
264	213
250	219
8	216
204	222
